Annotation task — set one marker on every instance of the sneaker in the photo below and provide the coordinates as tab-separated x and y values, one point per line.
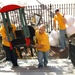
61	50
45	65
16	65
40	66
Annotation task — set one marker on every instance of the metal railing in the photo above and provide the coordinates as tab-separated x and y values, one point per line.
46	12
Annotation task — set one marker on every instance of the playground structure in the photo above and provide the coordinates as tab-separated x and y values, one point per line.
23	40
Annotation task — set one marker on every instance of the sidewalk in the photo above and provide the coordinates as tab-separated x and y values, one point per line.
29	67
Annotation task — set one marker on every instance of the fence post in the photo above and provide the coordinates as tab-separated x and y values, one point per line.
51	15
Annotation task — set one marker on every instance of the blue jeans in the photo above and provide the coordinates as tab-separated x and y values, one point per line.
43	58
62	39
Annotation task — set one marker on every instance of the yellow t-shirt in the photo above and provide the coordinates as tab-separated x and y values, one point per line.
3	34
43	40
60	20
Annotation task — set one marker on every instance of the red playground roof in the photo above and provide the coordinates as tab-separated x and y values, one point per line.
10	7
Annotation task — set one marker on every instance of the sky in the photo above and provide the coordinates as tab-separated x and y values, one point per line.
34	2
